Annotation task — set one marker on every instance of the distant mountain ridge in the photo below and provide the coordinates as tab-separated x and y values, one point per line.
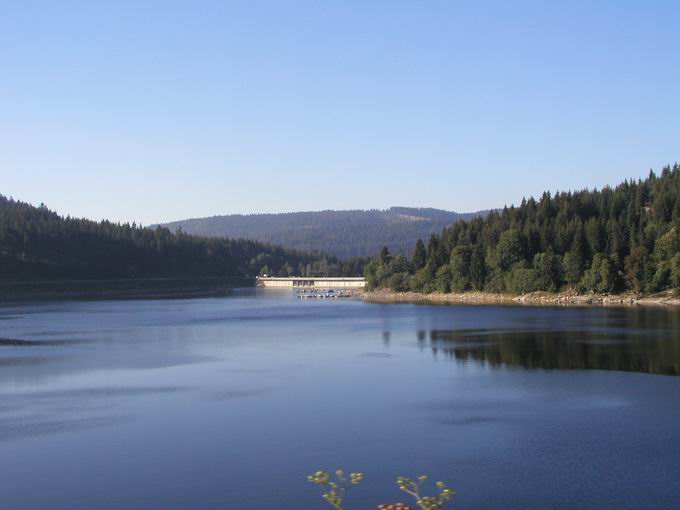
345	234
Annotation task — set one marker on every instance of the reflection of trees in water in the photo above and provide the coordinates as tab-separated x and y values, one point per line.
654	350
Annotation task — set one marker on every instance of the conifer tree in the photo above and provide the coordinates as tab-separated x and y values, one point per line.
419	258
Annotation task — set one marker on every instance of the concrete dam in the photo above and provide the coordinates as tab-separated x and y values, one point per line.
312	282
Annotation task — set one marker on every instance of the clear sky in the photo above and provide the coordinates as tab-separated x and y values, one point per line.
154	111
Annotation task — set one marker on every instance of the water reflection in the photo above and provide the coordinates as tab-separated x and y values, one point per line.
627	351
154	404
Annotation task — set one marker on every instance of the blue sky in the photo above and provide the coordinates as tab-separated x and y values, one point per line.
153	111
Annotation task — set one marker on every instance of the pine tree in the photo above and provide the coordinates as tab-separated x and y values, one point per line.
385	256
419	258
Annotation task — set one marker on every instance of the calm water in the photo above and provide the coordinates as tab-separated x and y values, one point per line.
230	403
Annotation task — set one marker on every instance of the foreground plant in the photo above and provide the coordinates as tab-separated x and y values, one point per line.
334	490
426	502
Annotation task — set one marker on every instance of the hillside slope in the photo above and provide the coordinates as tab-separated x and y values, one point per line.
620	239
38	244
345	234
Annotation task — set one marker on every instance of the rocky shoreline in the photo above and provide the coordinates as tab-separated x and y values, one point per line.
568	298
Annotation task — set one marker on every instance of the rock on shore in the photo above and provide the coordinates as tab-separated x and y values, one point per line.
567	298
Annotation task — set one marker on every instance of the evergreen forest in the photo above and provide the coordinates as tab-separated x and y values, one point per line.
37	243
618	239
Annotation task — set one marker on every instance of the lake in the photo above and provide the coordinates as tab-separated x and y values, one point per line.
231	402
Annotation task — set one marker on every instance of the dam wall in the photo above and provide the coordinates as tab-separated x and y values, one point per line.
312	282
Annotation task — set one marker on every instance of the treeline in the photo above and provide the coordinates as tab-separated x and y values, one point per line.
618	239
36	243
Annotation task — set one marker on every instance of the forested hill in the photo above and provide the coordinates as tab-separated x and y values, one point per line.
344	234
36	243
618	239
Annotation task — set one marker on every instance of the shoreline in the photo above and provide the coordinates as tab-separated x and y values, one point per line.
567	298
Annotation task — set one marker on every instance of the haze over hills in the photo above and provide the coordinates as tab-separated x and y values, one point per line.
345	234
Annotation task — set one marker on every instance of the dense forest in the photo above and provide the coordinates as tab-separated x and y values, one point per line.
36	243
345	234
614	240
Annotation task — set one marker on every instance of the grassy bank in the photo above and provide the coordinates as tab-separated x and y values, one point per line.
668	298
142	288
